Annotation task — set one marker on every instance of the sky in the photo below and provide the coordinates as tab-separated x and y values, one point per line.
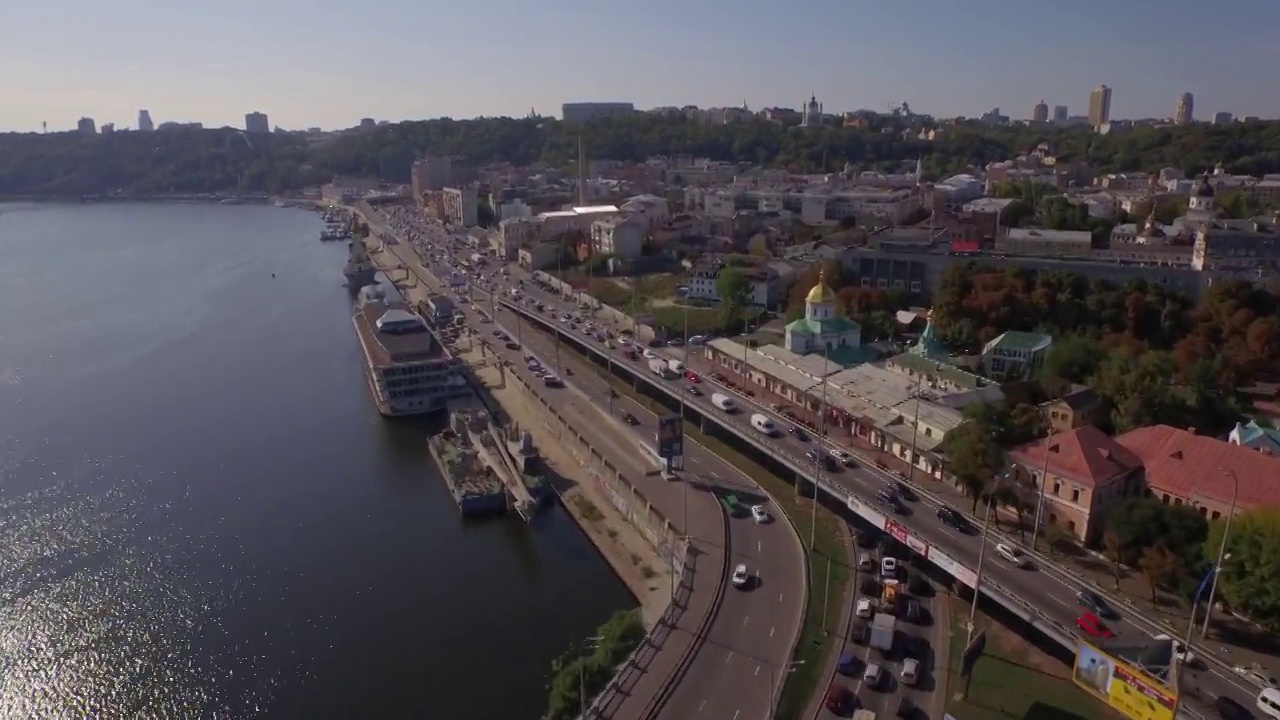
328	63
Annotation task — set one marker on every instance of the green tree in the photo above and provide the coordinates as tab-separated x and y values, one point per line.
1072	359
1250	579
734	288
617	639
1137	388
485	216
1113	551
976	458
1159	566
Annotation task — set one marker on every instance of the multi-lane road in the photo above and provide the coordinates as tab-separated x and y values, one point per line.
1046	589
735	670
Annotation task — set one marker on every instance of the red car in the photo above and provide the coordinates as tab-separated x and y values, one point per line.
1090	625
692	377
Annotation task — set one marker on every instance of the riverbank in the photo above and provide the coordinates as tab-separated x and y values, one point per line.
633	559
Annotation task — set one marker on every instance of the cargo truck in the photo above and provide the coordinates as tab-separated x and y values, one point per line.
724	402
883	626
661	368
890	596
676	366
763	424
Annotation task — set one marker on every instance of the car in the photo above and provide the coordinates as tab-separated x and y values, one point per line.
1180	651
864	608
693	390
904	491
889	567
911	611
954	519
692	377
906	708
513	346
864	539
799	433
873	675
1229	709
1094	603
759	514
741	576
650	354
1013	555
910	674
839	699
843	458
629	419
1091	625
866	562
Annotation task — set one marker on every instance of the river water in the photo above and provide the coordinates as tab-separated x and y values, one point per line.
203	515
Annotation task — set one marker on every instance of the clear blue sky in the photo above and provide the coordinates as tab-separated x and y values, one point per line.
330	62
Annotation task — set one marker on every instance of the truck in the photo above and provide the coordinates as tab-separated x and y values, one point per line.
661	368
763	424
883	627
864	714
676	366
890	596
724	402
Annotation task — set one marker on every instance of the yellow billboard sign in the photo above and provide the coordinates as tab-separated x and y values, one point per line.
1130	691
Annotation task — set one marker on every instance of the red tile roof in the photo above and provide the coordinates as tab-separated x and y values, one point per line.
1192	466
1086	455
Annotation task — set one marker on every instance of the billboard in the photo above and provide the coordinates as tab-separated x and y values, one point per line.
670	437
899	532
965	247
953	568
1134	694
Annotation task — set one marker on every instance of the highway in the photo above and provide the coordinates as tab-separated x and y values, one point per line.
752	634
1044	589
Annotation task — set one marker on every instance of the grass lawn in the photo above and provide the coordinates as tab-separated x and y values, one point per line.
1014	680
829	542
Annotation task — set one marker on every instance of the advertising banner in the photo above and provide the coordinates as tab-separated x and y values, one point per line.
953	568
670	437
1131	692
899	532
872	516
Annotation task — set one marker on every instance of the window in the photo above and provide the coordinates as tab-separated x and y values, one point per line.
1075	495
1057	487
915	286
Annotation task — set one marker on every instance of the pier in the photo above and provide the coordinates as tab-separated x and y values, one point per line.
494	468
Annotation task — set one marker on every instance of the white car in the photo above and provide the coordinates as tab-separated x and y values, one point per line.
872	676
740	576
1180	651
1013	555
866	562
842	457
759	514
889	567
864	608
650	354
910	671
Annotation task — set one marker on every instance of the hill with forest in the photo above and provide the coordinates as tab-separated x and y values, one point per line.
225	160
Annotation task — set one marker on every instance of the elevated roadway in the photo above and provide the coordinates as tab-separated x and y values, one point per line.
1043	595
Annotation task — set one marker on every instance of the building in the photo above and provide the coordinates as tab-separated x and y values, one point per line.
1080	406
767	283
1039	241
1015	354
86	126
1253	435
1040	113
1060	114
1183	468
1100	106
651	210
584	111
408	370
430	173
1183	113
256	122
1076	476
144	121
812	116
460	205
1222	118
619	236
822	329
575	219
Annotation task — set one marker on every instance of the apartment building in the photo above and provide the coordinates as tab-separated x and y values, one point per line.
1015	354
767	283
460	205
576	219
1037	241
1078	407
650	210
621	236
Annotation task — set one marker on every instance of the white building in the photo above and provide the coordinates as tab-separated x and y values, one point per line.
650	210
460	205
619	236
822	327
578	218
1015	354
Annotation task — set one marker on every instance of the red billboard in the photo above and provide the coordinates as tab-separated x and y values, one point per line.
967	247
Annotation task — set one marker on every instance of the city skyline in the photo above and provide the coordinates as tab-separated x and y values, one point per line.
854	58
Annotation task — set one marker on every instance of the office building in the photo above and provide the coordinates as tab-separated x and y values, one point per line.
461	205
86	126
582	112
1060	114
1222	118
1182	114
256	122
431	173
144	121
1040	113
1100	106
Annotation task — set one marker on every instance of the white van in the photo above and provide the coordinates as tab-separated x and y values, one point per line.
763	424
1269	702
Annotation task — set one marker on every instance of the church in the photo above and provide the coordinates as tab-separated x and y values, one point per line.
822	328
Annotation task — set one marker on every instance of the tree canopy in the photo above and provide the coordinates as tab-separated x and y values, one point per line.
1250	579
188	160
592	668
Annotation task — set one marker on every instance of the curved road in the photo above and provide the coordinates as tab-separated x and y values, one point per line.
1050	589
752	635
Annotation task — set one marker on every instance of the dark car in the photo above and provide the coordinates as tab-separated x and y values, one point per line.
1093	601
799	434
839	699
954	519
629	418
864	539
906	709
905	492
1229	709
912	612
858	632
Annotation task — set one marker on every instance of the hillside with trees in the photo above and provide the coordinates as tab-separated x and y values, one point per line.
225	160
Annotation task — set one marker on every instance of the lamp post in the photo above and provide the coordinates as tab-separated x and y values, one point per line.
982	557
915	432
1044	480
1222	550
683	292
819	448
1176	680
777	682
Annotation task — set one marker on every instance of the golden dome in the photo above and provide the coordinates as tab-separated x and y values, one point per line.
821	293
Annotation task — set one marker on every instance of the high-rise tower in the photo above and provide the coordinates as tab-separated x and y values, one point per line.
1040	113
144	121
1182	114
1100	106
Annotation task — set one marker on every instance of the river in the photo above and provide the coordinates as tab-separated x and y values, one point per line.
203	515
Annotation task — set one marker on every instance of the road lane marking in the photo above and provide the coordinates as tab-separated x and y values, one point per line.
745	619
771	631
779	597
735	714
728	656
759	546
757	672
702	705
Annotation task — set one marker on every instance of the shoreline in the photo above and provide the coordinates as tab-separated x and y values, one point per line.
631	557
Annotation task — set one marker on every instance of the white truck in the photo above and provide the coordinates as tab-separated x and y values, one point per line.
724	402
883	626
676	366
661	368
763	424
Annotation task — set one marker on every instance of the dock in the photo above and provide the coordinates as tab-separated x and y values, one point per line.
475	489
492	468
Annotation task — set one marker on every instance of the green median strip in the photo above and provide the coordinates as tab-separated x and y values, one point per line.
808	677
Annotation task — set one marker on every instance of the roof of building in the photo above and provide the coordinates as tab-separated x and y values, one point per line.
1193	466
833	326
1017	340
1085	454
1203	187
595	209
1078	397
1252	431
821	293
399	342
1049	236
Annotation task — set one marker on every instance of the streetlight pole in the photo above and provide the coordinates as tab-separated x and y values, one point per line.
915	432
1044	481
826	596
819	449
1222	551
683	293
982	557
777	682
